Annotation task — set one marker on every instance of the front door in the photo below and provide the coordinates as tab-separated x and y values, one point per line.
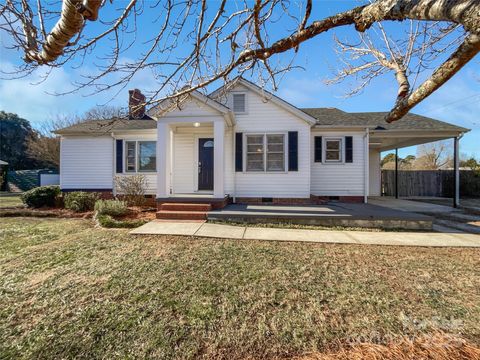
205	164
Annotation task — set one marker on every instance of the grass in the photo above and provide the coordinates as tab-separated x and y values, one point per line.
290	225
10	201
70	290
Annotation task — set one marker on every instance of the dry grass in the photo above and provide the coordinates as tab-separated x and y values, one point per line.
434	347
69	290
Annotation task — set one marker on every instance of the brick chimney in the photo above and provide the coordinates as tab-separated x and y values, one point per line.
136	104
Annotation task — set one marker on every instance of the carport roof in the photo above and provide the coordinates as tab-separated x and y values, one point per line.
376	120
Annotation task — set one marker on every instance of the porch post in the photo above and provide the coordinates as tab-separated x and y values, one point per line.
218	158
456	173
163	140
396	173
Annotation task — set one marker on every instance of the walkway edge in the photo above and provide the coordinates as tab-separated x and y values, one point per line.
423	239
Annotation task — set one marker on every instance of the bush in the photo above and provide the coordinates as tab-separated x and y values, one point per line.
80	201
41	196
132	188
111	207
107	221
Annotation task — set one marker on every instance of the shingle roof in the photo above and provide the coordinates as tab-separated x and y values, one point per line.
337	117
324	116
107	126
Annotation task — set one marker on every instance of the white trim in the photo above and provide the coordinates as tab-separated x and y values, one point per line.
341	150
196	155
218	159
231	101
264	134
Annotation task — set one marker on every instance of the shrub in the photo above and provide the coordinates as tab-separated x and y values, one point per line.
132	188
41	196
80	201
107	221
111	207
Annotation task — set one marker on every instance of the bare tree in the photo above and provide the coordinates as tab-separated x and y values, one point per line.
434	156
44	144
225	40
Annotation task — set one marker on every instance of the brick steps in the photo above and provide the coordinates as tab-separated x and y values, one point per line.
183	211
185	207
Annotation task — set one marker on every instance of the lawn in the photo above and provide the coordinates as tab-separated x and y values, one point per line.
69	290
10	200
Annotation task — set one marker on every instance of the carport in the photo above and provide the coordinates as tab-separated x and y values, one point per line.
411	130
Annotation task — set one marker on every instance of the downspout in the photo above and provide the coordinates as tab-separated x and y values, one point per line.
366	165
234	196
114	165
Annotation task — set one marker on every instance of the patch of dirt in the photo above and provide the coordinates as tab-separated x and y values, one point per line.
39	278
138	213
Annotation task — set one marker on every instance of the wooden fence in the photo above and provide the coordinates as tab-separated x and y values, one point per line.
430	183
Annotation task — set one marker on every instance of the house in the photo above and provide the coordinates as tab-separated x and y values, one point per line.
240	144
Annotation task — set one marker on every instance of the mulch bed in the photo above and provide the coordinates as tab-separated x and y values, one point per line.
135	213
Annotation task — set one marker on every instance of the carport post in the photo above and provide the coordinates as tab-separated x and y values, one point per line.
456	174
396	173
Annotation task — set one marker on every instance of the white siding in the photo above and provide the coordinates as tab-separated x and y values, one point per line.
86	162
262	116
193	108
341	179
375	173
151	182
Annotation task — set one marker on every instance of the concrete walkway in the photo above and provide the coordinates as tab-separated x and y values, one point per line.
202	229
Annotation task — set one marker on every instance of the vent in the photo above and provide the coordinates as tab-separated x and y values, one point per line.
239	103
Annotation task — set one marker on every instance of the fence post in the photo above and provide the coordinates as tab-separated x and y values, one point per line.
396	173
456	174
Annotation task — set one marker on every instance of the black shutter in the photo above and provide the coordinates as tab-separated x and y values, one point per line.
293	151
238	152
318	149
119	156
348	149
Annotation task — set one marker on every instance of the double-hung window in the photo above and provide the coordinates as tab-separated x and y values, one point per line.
140	156
255	153
333	150
265	152
275	152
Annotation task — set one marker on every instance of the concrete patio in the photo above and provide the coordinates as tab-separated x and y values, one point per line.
331	214
203	229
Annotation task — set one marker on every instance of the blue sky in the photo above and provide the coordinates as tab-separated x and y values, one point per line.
457	102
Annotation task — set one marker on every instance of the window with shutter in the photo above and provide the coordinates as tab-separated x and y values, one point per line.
239	103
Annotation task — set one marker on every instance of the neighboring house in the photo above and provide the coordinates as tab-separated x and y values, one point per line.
242	144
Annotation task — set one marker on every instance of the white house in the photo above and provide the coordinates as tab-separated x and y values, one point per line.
240	144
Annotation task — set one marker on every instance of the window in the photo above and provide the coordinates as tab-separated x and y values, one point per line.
239	106
147	155
255	153
333	150
275	153
265	152
140	156
130	153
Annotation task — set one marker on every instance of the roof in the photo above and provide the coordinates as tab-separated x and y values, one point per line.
107	126
411	121
3	162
